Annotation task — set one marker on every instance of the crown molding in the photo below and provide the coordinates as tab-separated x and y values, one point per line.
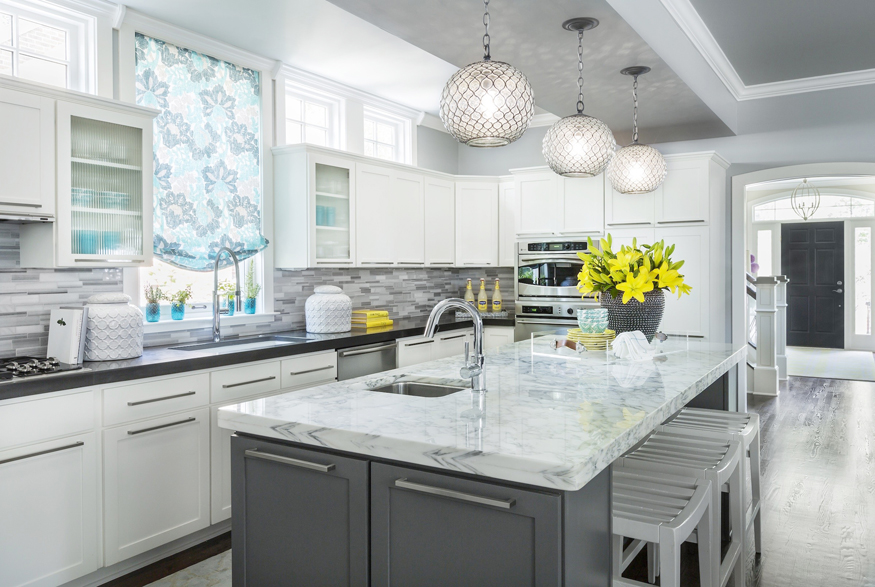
119	17
431	121
543	119
697	32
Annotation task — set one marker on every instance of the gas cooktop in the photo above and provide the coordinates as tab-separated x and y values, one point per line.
18	367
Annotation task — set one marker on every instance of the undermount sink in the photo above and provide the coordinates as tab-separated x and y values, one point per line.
242	344
423	387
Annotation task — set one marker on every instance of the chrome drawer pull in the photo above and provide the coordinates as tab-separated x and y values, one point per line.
26	206
429	341
499	503
161	399
263	379
42	452
629	223
366	351
455	337
256	454
678	221
311	370
186	421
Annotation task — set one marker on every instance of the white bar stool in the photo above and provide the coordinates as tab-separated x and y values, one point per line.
745	428
655	508
707	456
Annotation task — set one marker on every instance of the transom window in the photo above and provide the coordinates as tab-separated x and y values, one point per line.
831	206
311	118
46	45
386	136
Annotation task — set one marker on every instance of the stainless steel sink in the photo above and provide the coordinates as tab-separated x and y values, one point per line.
242	344
421	388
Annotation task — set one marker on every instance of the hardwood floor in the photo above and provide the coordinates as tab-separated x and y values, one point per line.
818	453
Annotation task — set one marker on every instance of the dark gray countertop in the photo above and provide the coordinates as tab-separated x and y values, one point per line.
157	361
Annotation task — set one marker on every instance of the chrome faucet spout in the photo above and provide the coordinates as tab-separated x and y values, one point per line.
473	368
217	332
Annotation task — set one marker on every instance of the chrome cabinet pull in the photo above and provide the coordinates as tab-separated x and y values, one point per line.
161	399
186	421
429	341
230	385
454	337
311	370
366	351
21	204
499	503
678	221
629	223
256	454
42	452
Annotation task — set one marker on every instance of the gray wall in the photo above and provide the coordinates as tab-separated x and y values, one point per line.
436	150
524	152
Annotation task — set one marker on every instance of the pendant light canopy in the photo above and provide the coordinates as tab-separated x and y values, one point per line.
805	200
487	103
579	145
636	168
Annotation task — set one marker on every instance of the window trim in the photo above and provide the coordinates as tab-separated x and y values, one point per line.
335	105
403	134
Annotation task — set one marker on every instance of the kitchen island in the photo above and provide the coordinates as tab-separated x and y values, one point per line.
342	483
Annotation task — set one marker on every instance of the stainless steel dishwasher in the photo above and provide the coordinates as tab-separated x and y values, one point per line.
365	360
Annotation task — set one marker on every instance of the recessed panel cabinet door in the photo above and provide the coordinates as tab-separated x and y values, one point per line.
583	202
49	512
476	224
27	160
407	193
440	225
689	314
433	529
538	197
300	516
684	195
375	244
628	210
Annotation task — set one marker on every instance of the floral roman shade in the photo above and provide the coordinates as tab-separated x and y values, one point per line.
207	170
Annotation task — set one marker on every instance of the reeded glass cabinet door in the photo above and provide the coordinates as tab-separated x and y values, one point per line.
332	214
104	187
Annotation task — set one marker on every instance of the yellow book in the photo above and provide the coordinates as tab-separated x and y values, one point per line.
369	314
373	323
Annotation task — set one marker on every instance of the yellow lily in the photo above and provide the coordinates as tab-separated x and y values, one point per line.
635	286
668	277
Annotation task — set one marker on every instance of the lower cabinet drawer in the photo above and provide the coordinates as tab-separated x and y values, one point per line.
155	397
34	420
309	369
239	382
494	535
157	482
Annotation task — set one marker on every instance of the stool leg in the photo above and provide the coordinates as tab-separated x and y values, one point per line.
669	561
617	556
652	562
736	515
705	545
755	478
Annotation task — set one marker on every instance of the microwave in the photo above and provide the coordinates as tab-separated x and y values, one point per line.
549	269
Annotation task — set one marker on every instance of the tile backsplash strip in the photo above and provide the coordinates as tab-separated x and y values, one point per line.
27	296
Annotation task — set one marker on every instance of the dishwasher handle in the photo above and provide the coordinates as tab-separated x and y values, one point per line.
366	351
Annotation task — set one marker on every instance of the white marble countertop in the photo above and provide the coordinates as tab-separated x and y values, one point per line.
546	420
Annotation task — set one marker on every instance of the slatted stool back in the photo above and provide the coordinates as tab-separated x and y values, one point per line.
744	428
707	456
660	509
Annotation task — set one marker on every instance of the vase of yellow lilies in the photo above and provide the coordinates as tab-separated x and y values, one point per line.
631	283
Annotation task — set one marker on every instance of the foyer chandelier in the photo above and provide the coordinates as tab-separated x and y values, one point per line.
805	200
636	168
487	103
579	145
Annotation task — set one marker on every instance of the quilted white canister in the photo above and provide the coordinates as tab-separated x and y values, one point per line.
328	310
115	328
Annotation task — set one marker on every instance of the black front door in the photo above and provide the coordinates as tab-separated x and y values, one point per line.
813	259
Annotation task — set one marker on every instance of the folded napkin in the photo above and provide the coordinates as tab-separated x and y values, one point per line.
633	346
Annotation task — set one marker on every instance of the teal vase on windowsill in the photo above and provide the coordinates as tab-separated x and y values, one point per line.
153	312
177	310
249	305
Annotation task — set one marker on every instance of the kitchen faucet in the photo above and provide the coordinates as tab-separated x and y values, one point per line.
217	332
472	369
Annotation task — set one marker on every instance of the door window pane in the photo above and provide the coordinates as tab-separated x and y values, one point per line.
42	70
42	39
863	280
764	252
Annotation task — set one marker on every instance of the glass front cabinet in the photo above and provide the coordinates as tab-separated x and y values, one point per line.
104	185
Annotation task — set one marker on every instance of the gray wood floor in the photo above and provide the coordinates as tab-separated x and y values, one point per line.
818	451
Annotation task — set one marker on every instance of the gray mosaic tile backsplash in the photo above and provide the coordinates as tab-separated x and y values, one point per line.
28	295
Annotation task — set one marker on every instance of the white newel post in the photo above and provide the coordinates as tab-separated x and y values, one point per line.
765	373
781	325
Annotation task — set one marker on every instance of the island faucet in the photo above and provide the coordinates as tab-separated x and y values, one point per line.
473	368
217	332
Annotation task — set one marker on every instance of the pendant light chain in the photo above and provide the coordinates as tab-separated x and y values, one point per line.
486	39
635	110
580	71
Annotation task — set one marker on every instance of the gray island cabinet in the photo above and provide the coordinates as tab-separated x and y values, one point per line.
342	485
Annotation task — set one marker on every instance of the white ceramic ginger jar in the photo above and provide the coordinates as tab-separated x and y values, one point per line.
115	328
328	310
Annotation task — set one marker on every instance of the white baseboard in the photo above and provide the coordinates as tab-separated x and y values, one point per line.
106	574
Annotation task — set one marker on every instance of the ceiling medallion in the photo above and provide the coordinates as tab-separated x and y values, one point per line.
579	145
805	200
636	168
487	103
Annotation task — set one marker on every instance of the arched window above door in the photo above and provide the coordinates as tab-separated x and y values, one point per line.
831	207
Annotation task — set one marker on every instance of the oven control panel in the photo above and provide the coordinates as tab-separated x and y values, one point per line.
539	310
556	247
559	310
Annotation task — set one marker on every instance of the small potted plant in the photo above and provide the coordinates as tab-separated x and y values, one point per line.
226	293
178	299
251	290
631	283
153	295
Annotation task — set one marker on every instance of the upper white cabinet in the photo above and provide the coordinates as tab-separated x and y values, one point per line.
508	222
583	205
537	192
375	244
440	225
551	205
27	153
625	210
408	218
694	180
477	223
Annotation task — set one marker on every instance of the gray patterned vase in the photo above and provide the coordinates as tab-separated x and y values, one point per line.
328	310
634	315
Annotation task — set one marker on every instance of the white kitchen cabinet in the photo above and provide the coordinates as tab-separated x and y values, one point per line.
626	236
695	182
157	482
496	336
452	343
628	210
415	350
374	215
407	218
440	221
477	223
537	193
508	222
49	508
583	206
27	153
689	314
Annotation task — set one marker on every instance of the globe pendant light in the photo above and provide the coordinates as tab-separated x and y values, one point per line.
579	145
487	103
805	200
636	168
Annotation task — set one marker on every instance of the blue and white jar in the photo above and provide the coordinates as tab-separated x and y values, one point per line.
328	310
